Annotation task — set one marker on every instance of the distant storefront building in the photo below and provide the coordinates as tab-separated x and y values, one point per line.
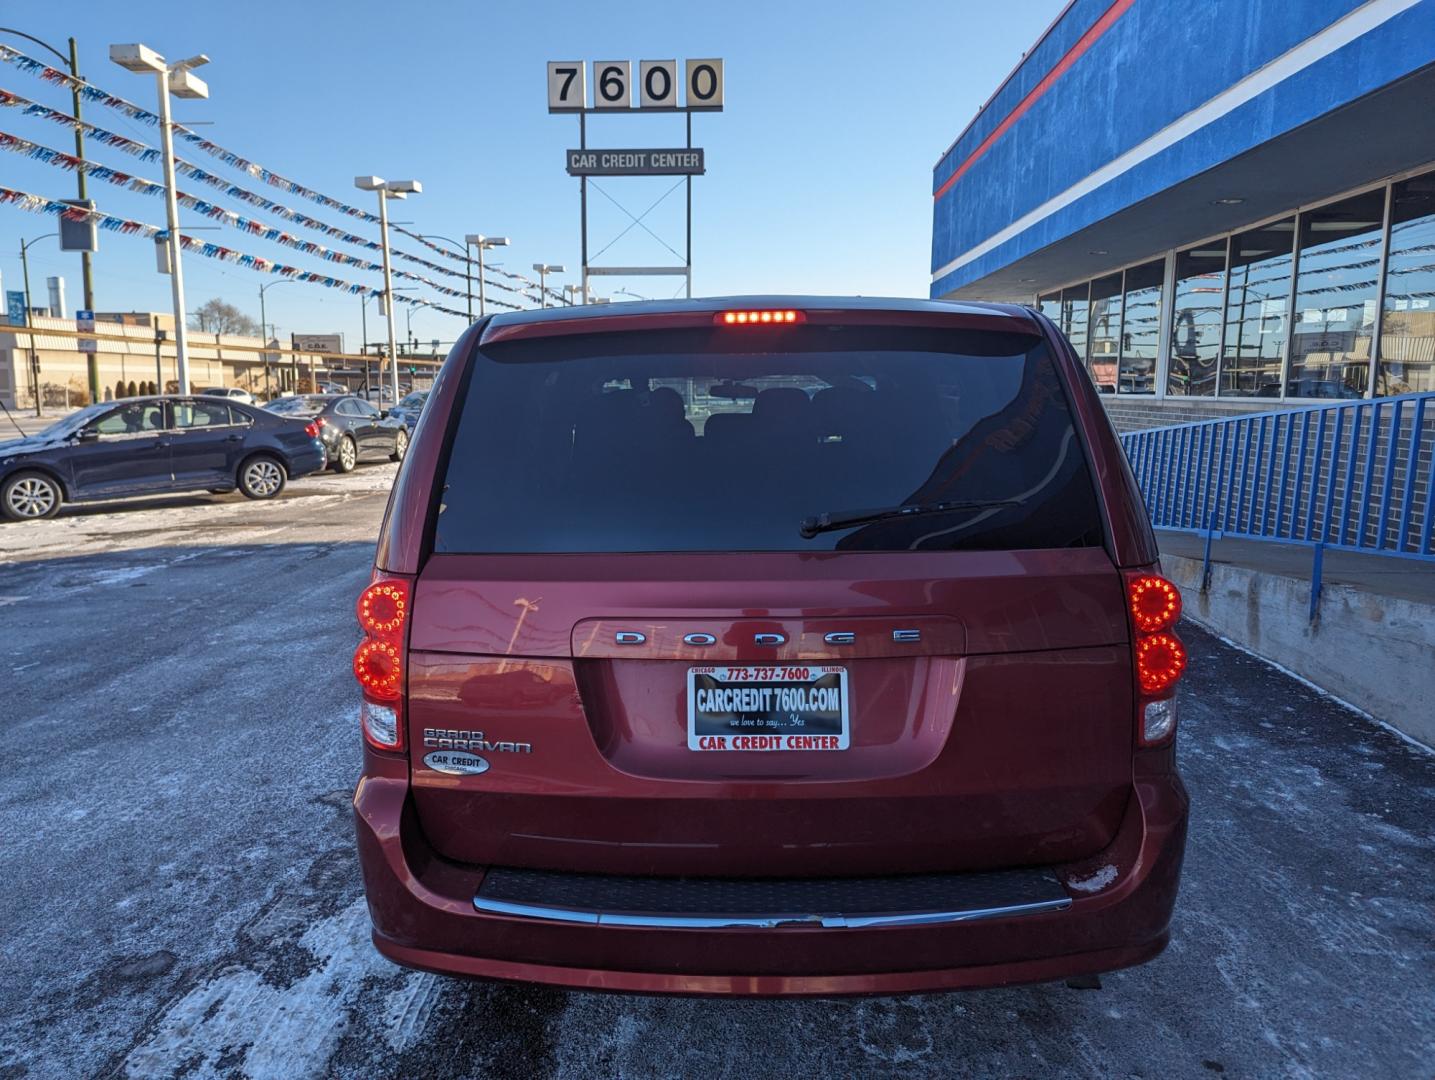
1225	205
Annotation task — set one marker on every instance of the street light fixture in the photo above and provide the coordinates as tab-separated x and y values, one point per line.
264	333
177	79
483	243
387	189
467	265
544	269
571	291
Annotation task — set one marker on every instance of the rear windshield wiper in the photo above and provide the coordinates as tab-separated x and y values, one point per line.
847	519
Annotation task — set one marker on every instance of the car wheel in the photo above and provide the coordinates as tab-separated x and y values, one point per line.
29	496
346	455
401	445
261	477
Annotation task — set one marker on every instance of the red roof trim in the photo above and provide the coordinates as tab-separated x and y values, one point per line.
1088	39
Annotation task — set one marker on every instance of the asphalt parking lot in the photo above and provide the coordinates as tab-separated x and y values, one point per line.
181	896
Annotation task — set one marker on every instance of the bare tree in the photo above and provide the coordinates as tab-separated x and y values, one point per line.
217	317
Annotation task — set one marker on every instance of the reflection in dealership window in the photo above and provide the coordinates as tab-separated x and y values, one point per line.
1141	328
1051	307
1074	305
1337	275
1256	310
1196	321
1105	331
138	418
1407	331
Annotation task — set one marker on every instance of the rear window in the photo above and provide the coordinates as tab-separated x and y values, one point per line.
727	440
297	406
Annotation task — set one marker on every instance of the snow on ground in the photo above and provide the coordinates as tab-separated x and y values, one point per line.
196	518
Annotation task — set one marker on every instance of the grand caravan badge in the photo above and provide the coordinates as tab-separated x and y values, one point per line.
456	762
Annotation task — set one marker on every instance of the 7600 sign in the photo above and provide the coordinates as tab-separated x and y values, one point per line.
613	83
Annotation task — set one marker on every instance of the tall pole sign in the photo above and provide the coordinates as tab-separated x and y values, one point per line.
657	89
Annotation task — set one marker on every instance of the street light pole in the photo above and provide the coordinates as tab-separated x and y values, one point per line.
171	211
179	80
25	273
264	328
483	243
544	269
399	189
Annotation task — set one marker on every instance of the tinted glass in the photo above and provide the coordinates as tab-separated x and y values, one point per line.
1141	327
297	406
721	440
1257	307
364	408
1196	322
1075	308
1407	331
133	419
1337	277
1104	331
199	414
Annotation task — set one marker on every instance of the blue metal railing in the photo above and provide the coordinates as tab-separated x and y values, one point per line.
1351	476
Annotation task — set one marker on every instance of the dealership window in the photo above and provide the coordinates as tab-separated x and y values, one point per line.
1407	331
1196	319
1337	283
1075	302
1140	328
1257	310
1051	307
1104	331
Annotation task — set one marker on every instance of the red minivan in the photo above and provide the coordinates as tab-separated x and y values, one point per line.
768	646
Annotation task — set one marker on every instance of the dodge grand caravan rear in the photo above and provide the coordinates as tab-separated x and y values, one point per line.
768	646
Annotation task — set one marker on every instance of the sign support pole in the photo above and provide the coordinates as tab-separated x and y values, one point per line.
583	199
689	247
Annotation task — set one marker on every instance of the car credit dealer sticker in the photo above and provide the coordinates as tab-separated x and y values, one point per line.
456	762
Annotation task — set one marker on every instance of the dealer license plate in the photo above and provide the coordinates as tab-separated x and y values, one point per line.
759	708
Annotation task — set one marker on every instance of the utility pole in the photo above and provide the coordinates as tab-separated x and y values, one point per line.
87	269
87	276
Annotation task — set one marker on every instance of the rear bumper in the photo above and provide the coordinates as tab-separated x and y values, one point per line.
308	459
1121	900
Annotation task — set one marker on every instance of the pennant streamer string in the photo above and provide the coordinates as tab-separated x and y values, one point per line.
185	168
39	205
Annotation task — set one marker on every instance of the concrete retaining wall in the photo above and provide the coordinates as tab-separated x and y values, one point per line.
1132	413
1376	652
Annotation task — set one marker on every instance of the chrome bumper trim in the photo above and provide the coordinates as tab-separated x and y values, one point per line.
765	922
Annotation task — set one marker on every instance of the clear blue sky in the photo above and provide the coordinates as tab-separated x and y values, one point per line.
819	170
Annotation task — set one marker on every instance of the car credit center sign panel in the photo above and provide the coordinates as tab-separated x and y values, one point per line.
677	162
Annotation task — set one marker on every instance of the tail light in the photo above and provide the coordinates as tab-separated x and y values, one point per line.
311	429
1154	605
380	661
759	317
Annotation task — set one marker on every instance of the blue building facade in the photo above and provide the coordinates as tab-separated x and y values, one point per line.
1226	204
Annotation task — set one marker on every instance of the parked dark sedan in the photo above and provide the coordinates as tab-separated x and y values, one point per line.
154	445
351	428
